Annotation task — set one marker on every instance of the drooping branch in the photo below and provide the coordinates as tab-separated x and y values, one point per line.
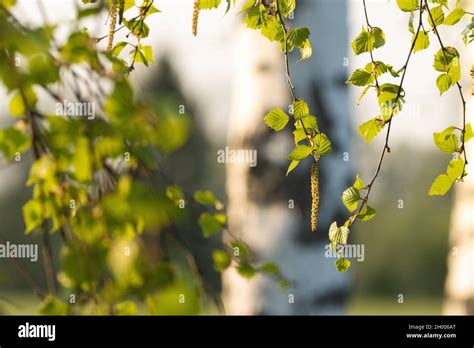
458	85
386	148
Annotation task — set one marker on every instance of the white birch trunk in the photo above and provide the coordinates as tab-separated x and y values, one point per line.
259	199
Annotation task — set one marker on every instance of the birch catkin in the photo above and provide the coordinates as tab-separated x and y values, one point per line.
314	196
113	10
195	17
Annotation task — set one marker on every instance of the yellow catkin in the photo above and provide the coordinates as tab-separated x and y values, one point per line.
314	196
195	17
112	22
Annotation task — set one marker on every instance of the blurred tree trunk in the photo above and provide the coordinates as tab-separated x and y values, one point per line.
460	279
268	210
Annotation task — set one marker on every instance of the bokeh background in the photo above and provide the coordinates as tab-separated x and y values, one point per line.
406	245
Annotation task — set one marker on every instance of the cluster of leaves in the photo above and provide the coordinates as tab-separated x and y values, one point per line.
391	99
94	180
267	16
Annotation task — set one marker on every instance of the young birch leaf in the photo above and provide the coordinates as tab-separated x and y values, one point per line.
358	184
338	235
441	185
212	223
246	270
455	16
292	166
367	213
361	43
454	71
469	133
300	109
276	119
377	37
205	197
322	145
299	135
350	198
362	95
368	130
32	214
455	169
300	152
407	5
437	14
342	264
222	260
360	78
444	82
422	41
441	63
446	141
17	107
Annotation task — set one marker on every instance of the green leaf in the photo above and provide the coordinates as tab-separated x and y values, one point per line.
270	268
299	135
300	152
455	169
53	306
309	122
300	109
350	198
367	213
411	28
454	71
322	144
118	47
246	270
32	214
276	119
422	41
17	107
360	77
444	82
368	130
358	184
362	95
437	14
368	40
441	185
299	37
306	50
212	223
243	251
407	5
469	133
292	166
175	194
12	141
82	160
338	235
455	16
446	141
209	4
205	197
342	264
222	260
441	63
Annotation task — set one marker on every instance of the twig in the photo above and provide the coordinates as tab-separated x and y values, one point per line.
386	148
463	131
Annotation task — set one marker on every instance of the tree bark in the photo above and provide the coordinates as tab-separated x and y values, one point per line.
269	211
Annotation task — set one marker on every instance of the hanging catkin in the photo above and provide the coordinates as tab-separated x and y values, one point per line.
112	22
195	17
314	196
